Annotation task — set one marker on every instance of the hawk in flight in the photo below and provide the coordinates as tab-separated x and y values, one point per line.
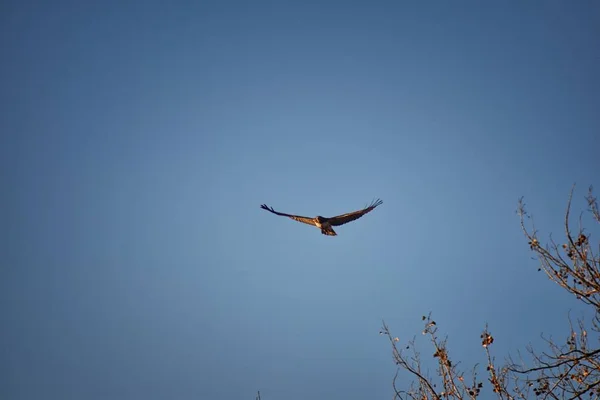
324	223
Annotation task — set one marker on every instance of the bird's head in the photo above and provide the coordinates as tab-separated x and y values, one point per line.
320	219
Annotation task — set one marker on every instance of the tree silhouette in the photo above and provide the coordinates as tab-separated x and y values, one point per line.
568	370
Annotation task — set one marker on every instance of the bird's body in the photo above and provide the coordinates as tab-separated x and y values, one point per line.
324	223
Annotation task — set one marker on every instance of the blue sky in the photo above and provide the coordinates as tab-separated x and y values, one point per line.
139	139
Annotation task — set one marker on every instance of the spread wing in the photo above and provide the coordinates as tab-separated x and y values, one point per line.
298	218
349	217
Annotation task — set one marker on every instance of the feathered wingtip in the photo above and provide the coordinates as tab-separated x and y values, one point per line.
374	203
266	207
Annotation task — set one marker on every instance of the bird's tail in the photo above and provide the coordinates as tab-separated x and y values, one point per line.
328	231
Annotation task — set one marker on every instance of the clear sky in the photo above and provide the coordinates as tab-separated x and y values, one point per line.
138	139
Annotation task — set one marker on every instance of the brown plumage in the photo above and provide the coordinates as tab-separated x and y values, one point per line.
324	223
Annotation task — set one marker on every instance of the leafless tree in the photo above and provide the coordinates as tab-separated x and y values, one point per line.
568	370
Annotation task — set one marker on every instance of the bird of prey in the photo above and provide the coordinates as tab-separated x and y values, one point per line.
324	223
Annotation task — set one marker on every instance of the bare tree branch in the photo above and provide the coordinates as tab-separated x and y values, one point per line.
564	370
